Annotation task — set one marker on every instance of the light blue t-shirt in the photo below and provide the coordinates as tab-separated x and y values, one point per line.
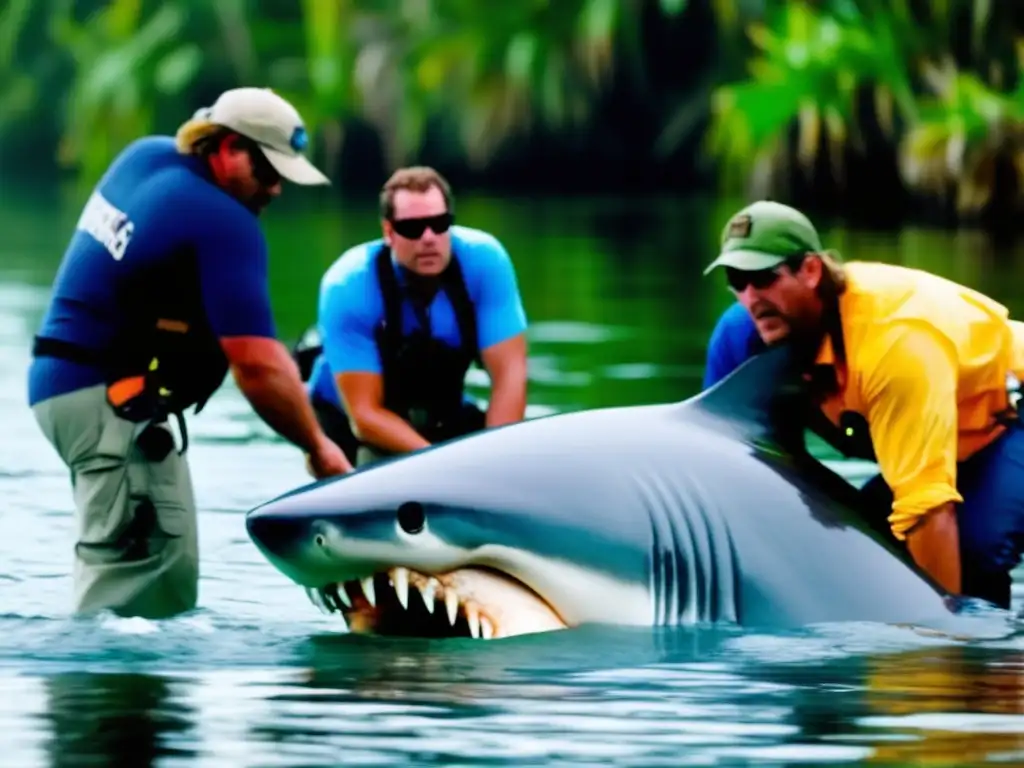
352	306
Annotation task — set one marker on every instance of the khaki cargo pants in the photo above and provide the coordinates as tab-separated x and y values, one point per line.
137	547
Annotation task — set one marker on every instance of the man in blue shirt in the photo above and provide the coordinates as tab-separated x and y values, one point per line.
733	341
162	290
402	318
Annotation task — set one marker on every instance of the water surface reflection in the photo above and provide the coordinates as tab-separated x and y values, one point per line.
581	697
619	314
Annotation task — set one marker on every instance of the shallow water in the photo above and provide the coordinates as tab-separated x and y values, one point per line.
257	677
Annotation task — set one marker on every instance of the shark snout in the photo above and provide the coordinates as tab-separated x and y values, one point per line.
282	536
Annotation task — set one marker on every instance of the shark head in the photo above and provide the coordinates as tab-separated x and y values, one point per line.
478	537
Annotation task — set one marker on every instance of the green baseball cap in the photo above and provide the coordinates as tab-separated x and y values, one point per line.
764	235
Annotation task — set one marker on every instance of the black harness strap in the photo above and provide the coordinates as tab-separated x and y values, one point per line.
392	300
45	346
454	285
851	436
465	314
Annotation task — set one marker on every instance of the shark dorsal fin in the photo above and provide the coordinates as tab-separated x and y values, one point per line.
753	401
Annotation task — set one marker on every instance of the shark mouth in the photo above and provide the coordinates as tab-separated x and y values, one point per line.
478	603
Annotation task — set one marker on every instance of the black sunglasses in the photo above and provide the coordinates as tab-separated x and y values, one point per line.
413	229
262	169
761	279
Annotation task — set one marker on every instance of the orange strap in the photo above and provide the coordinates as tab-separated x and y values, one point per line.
123	390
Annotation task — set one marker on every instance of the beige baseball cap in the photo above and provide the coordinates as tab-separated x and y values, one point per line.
273	123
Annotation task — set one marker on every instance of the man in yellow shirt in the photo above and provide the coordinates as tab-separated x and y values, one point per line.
924	364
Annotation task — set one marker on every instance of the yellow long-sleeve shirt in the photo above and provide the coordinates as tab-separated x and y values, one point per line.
926	366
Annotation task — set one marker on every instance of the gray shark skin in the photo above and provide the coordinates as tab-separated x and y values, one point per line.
657	515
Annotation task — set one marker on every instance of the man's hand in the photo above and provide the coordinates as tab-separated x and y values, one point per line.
363	397
328	460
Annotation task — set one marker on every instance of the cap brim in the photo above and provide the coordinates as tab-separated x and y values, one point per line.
748	261
296	168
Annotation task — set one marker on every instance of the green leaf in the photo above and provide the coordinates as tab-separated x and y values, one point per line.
176	70
520	57
12	22
673	7
598	19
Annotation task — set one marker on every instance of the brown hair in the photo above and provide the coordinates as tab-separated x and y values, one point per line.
202	138
418	178
835	273
198	136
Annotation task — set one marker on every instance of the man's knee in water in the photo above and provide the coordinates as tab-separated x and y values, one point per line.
468	418
139	538
473	418
140	570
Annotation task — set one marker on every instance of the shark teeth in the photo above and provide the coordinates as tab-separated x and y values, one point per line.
366	603
451	603
473	620
400	581
330	599
368	593
427	593
342	596
316	597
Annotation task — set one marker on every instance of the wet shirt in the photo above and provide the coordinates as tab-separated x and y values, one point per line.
151	203
352	307
926	365
733	341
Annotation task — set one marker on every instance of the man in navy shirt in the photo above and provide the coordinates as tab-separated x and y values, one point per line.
733	341
162	290
401	319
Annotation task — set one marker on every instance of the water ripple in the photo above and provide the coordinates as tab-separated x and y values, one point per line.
256	676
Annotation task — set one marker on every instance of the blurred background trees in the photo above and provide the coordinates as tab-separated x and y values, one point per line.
876	108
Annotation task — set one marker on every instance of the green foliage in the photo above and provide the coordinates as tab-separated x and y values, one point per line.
809	70
107	71
18	89
813	63
964	131
125	62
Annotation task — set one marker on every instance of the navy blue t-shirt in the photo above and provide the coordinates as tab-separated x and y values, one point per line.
733	341
151	203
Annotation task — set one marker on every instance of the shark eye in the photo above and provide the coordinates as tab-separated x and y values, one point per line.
411	517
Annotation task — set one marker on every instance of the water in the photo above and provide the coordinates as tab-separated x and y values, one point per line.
256	676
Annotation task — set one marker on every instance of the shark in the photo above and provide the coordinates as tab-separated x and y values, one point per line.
705	511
